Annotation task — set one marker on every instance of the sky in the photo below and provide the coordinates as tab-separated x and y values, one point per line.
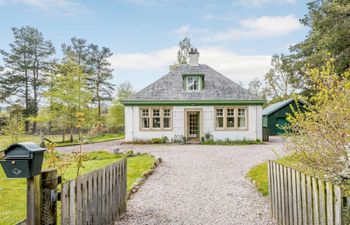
235	37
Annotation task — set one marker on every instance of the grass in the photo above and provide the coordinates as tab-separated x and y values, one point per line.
13	191
5	140
259	174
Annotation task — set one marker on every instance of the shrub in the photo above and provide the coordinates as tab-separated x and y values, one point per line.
321	134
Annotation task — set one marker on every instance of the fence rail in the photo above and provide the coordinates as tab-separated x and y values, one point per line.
300	199
98	197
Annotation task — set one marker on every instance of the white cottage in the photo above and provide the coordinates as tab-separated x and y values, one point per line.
191	101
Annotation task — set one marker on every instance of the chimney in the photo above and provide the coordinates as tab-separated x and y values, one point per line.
193	55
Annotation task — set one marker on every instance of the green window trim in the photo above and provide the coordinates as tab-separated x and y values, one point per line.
200	81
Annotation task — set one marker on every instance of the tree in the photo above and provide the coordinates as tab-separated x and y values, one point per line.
115	117
278	80
69	94
320	135
26	65
77	52
99	81
182	54
329	22
124	91
256	87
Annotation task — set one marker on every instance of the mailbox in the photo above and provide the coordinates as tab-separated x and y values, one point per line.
23	160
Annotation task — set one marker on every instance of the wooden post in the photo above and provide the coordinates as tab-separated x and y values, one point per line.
48	189
33	200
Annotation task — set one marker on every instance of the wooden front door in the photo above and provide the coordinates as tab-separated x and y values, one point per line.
193	125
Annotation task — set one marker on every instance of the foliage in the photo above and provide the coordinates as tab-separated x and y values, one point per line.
278	80
101	74
256	87
160	140
69	94
182	54
115	117
329	23
208	139
228	141
124	91
321	134
54	159
13	129
26	63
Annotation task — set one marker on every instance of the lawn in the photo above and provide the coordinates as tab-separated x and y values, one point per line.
5	140
13	191
259	174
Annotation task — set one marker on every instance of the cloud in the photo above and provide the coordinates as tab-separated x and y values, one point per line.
187	30
258	3
62	7
239	68
261	27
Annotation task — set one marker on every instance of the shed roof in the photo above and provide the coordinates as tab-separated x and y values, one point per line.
276	106
170	88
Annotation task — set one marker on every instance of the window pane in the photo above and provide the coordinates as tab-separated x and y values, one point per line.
145	122
219	122
166	112
241	112
156	112
156	123
241	122
230	122
145	112
230	112
166	122
219	112
193	83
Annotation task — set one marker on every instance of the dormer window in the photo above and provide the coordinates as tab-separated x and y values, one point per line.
193	82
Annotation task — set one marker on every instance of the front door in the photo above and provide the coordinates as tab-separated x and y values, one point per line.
193	125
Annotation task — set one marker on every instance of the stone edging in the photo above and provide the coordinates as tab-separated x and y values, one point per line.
139	181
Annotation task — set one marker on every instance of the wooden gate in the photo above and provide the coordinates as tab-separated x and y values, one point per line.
98	197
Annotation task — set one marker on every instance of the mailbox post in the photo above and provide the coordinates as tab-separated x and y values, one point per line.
24	160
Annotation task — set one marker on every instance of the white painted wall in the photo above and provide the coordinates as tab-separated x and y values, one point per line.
132	130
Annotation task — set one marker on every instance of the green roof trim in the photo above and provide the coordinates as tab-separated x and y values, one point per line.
193	102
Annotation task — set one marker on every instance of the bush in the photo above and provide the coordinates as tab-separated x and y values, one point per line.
321	134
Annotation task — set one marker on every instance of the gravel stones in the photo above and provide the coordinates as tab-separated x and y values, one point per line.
201	184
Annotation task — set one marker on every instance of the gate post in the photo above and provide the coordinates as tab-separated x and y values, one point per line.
48	192
33	200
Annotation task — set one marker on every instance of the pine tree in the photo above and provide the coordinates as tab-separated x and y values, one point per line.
101	74
26	65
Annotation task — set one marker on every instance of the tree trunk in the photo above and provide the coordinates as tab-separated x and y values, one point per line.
26	99
64	135
71	135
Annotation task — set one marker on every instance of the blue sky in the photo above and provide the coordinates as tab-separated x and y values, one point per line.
235	37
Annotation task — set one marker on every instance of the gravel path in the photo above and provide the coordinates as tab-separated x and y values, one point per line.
197	184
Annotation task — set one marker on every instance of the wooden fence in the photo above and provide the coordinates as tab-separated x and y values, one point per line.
98	197
302	200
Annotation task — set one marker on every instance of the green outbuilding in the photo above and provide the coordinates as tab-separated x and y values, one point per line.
275	115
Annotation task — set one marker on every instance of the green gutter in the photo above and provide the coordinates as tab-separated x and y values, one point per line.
192	102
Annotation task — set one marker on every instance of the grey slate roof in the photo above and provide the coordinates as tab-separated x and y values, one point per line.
170	87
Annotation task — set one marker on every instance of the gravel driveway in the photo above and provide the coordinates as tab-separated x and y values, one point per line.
197	184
